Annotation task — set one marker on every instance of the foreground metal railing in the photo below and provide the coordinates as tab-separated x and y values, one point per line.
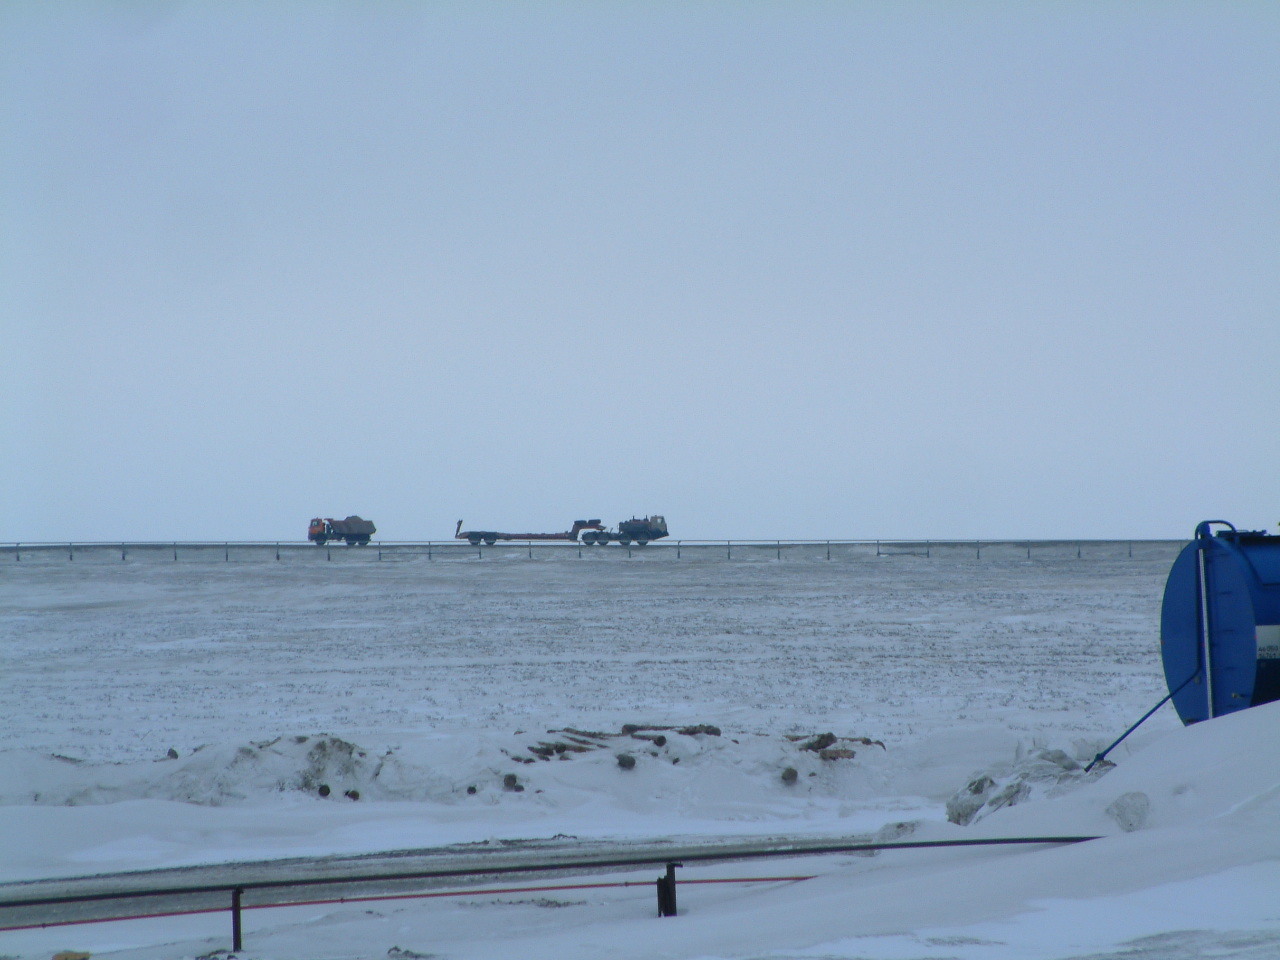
665	884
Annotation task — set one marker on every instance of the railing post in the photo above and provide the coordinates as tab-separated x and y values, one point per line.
237	943
667	891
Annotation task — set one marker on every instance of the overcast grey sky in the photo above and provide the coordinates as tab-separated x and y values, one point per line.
770	269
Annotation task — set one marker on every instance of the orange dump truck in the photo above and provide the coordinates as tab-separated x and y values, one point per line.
353	530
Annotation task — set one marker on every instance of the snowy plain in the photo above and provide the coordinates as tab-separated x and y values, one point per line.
159	714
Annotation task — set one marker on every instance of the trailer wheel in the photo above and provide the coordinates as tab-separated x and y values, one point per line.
624	543
474	541
641	543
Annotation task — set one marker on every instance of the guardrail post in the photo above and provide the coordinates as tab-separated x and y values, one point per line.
978	544
1028	549
1077	549
70	553
678	542
1130	549
728	544
667	891
175	552
328	553
226	553
277	551
877	548
122	552
529	544
828	549
779	545
17	552
927	545
237	943
429	557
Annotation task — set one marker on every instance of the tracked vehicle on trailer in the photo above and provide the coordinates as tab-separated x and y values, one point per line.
640	530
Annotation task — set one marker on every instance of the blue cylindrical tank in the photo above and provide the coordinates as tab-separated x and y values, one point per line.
1220	622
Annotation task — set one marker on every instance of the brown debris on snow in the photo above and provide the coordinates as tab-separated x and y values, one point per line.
836	753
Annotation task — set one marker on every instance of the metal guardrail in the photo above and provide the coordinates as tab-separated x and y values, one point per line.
665	885
431	549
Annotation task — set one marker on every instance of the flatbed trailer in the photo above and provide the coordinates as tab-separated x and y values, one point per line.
490	537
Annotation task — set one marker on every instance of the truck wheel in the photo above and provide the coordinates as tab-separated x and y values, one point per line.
474	541
489	542
641	543
624	543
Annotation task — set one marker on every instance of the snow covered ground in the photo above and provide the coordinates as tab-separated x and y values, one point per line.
160	714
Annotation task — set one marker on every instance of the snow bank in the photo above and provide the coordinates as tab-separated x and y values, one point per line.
1039	772
651	764
1226	768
